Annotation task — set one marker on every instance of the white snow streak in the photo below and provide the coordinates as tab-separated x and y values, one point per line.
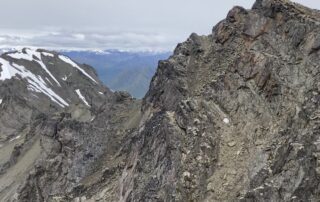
81	97
70	62
49	81
15	138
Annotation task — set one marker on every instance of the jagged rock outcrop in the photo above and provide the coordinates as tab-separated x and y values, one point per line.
233	116
236	112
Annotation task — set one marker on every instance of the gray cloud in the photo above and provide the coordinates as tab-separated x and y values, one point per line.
86	40
111	24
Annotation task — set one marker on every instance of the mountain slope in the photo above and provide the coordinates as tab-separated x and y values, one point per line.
35	84
233	116
36	80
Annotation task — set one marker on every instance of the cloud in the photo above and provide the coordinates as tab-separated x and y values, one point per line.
80	37
88	40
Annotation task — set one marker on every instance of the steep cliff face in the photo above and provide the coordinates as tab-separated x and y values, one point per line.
233	116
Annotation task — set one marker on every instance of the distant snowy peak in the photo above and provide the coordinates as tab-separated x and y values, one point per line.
53	75
33	55
35	82
36	55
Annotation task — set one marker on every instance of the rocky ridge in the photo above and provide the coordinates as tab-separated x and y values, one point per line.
233	116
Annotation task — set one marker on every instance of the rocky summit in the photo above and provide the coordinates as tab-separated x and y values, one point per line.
233	116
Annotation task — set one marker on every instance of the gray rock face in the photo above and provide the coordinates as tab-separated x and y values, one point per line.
233	116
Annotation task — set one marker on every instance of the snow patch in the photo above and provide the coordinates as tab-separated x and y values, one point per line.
47	54
64	78
1	101
70	62
226	120
35	83
82	97
101	93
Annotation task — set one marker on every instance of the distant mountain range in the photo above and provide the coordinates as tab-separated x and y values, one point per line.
119	70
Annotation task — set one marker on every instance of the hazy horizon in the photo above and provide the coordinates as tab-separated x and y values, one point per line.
111	24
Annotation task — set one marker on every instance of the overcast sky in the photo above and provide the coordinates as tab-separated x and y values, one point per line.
111	24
